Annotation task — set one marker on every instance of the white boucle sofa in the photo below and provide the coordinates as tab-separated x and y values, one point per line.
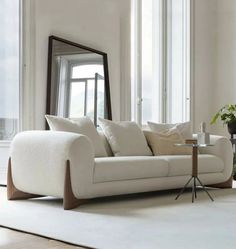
62	164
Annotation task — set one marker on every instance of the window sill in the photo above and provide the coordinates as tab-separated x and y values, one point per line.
5	143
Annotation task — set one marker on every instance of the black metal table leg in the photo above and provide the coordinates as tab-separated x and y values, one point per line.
195	187
193	192
182	190
195	146
204	188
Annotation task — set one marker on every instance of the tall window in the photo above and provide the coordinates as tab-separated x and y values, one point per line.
160	61
9	68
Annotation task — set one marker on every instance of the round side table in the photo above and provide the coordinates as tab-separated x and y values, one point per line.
194	176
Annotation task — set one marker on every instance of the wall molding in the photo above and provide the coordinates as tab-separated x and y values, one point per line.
27	103
125	62
5	144
192	63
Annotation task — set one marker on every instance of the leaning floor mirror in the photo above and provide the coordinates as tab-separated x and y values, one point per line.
78	82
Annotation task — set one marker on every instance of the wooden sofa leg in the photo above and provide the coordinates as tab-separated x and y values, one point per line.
70	201
226	184
12	192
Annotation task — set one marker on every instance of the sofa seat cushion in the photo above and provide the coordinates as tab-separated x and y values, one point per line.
128	168
182	164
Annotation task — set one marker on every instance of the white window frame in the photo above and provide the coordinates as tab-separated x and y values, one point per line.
136	61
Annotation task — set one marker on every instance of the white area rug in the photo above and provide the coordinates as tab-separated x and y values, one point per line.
144	221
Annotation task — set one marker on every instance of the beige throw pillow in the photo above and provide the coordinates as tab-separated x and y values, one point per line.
164	144
183	128
82	126
125	138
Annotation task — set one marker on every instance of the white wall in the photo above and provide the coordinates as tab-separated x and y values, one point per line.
225	83
204	54
215	59
94	23
125	58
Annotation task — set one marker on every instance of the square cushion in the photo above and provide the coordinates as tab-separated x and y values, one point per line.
105	143
165	144
125	138
183	128
82	126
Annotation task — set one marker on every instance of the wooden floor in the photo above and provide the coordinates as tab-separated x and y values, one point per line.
10	239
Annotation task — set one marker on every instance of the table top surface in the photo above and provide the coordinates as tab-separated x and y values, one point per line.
195	145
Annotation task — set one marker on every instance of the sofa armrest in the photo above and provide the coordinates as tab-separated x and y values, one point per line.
39	158
223	149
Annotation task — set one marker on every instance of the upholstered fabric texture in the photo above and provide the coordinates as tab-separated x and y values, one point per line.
82	126
144	167
39	157
180	165
129	168
105	143
165	144
183	128
125	138
39	160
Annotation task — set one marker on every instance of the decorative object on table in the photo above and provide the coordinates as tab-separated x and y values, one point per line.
191	141
194	176
203	137
227	114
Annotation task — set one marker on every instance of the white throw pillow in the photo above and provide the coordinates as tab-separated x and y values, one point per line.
183	128
125	138
165	144
82	126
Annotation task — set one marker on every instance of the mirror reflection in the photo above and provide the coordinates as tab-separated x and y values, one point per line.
78	81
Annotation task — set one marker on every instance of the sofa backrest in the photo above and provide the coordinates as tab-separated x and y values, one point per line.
105	142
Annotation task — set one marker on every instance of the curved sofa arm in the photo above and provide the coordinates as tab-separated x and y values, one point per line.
38	160
223	149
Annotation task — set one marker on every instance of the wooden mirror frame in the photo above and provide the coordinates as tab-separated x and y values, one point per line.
49	73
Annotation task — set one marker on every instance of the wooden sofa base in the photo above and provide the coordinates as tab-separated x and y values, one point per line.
12	192
69	200
226	184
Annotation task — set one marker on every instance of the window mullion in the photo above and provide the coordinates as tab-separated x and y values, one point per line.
164	62
139	61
